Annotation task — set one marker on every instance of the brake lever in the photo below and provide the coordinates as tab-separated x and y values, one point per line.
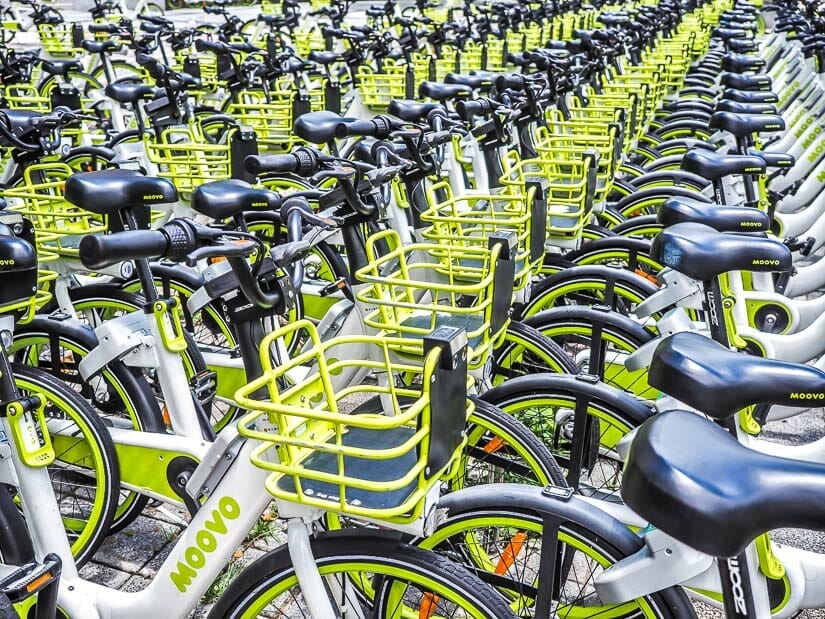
285	254
379	176
226	250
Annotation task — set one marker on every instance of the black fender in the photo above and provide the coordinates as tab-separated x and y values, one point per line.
681	126
122	137
698	105
571	385
633	246
666	162
698	91
635	222
584	271
675	177
683	144
684	115
663	193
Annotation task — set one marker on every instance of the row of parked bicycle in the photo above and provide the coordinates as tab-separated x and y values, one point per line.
504	349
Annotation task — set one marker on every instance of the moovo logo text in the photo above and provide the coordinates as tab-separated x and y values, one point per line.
812	136
749	224
798	395
153	196
765	262
6	262
206	542
805	124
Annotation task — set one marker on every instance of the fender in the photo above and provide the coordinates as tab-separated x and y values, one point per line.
591	315
699	91
570	384
666	162
129	134
656	193
635	222
675	177
684	144
592	271
698	105
694	127
611	242
684	115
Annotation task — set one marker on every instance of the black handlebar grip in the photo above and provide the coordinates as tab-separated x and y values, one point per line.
279	164
512	81
202	45
468	109
101	250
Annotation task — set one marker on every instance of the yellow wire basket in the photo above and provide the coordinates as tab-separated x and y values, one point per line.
186	159
307	41
571	146
471	58
58	224
380	464
377	89
270	117
470	220
57	40
419	287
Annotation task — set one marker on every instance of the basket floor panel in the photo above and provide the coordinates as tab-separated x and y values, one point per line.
362	468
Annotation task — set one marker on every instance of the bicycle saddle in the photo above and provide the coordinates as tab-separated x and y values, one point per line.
719	382
774	160
411	111
319	127
726	105
107	192
749	96
227	198
741	46
18	273
730	33
96	47
713	166
128	92
738	63
702	253
442	92
60	67
719	217
742	125
324	58
694	481
477	82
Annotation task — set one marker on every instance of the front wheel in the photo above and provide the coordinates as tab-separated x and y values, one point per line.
85	473
369	574
502	532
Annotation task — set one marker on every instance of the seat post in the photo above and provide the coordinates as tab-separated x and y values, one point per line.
144	271
742	145
715	311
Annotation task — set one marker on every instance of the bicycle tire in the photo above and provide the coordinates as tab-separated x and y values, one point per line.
526	351
383	556
106	471
126	390
508	434
546	404
589	285
465	533
573	328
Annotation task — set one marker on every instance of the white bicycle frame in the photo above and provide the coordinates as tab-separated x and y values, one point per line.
665	562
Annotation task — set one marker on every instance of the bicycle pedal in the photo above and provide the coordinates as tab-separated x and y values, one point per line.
31	578
204	385
338	284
